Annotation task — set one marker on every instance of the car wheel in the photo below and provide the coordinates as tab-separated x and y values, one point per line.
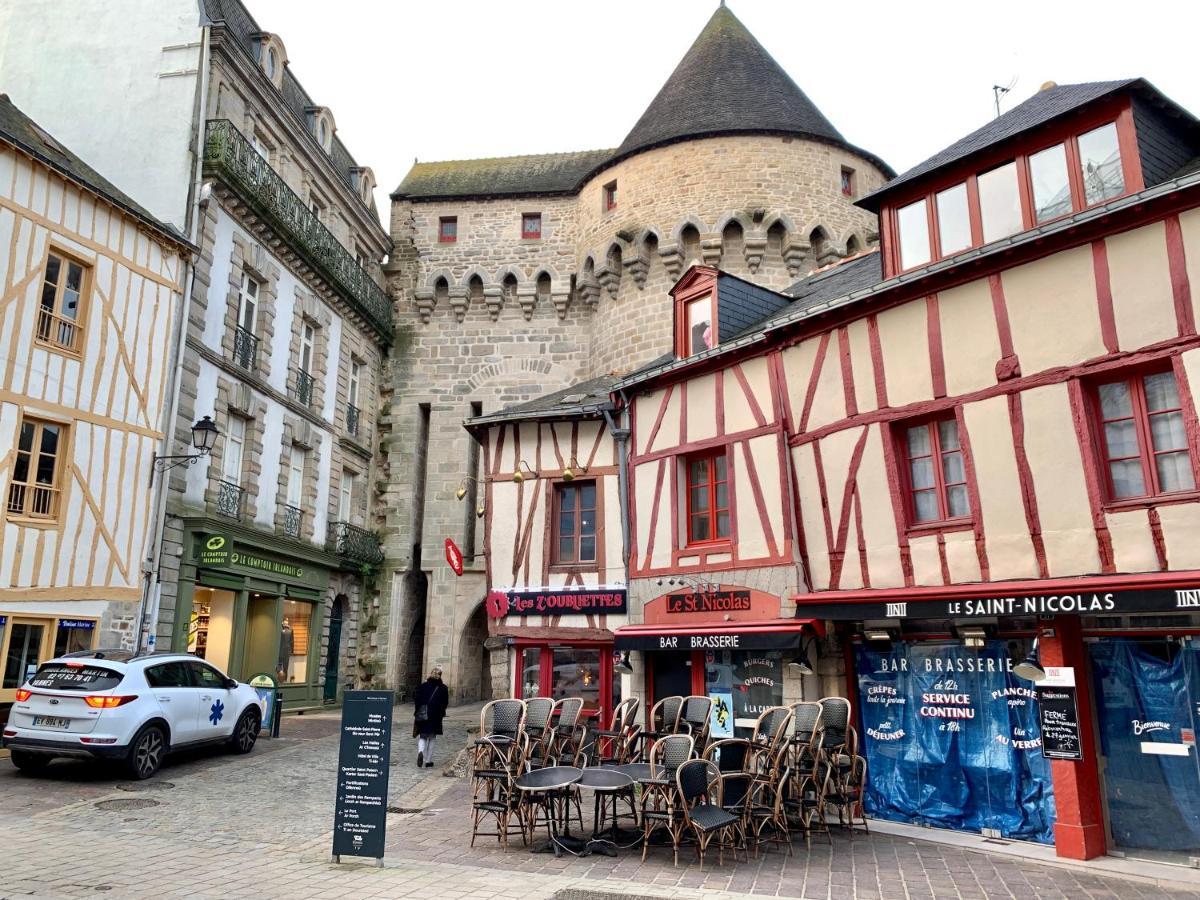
30	763
146	752
245	732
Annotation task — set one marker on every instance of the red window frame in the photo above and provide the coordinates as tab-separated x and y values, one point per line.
531	226
555	535
713	512
1119	112
546	672
443	236
940	485
1141	416
696	290
610	196
847	179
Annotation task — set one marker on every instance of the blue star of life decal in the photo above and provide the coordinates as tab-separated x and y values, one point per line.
216	711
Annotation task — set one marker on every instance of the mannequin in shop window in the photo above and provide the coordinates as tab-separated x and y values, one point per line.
286	645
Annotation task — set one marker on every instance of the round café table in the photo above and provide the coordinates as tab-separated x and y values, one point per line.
549	787
606	781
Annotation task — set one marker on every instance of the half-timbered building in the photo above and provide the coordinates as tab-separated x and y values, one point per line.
90	285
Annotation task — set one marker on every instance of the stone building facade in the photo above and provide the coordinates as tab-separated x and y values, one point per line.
522	275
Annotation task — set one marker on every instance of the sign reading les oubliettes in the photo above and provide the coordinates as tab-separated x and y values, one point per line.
556	603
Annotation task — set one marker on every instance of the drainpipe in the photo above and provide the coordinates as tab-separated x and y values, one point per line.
147	624
621	436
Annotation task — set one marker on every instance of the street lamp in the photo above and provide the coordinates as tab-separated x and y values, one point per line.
624	667
519	476
1030	668
568	474
801	662
204	436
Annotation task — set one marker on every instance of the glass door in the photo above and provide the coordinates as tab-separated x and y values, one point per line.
26	647
1148	709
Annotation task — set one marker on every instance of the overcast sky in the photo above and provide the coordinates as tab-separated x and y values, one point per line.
457	79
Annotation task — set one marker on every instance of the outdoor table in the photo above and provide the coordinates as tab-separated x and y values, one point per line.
549	782
601	781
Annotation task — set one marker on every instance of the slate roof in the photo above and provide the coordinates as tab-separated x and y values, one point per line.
21	131
586	398
505	176
1039	109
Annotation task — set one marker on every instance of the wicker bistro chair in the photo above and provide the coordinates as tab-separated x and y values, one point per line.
806	720
664	720
770	739
839	741
699	785
806	807
846	796
495	796
537	724
696	717
660	806
732	757
767	810
499	725
564	721
615	744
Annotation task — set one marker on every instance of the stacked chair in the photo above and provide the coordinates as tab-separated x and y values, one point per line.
500	756
695	717
615	745
699	784
772	781
732	757
660	806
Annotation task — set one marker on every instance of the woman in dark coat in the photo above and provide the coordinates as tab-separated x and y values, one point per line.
429	708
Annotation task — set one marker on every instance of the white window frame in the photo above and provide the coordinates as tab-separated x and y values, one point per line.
297	462
308	346
355	380
346	496
235	438
248	297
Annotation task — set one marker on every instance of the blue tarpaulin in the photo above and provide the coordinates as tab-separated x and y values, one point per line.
951	739
1146	695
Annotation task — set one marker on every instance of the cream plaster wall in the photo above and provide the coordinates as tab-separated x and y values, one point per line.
1180	527
970	343
862	367
811	518
961	557
927	566
879	523
1189	227
1140	279
904	338
1052	310
702	408
1132	541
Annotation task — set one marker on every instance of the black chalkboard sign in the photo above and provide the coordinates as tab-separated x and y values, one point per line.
360	819
1059	716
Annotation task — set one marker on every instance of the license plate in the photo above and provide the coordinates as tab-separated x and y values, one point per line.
51	722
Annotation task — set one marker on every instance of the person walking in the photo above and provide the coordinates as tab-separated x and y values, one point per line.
430	704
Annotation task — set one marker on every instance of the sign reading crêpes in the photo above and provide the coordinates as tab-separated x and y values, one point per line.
556	603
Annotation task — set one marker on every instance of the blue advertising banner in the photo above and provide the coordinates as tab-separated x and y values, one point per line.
951	740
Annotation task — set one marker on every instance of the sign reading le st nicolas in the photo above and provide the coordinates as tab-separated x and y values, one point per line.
717	601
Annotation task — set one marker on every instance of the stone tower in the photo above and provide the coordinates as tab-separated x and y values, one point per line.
520	275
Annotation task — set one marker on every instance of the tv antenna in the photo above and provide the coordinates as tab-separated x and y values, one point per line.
999	91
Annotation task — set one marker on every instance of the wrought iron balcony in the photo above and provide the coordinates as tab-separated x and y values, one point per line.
304	387
350	542
233	159
352	412
245	348
230	498
293	520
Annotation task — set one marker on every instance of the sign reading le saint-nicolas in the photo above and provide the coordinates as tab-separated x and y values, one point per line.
1081	602
717	601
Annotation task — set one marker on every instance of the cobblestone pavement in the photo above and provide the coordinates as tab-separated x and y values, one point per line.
219	826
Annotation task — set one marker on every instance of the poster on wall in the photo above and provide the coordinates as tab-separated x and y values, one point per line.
722	715
952	740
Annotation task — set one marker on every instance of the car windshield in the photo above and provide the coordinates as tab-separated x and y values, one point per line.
76	677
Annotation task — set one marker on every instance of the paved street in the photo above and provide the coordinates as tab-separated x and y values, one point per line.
212	825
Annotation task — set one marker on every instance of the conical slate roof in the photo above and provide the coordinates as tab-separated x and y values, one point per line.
727	83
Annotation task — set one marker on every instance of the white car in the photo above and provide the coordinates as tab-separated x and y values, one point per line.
135	709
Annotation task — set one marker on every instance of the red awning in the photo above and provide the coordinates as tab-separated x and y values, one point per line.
767	634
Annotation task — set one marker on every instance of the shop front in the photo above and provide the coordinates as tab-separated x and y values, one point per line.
1098	756
561	644
727	643
251	608
31	634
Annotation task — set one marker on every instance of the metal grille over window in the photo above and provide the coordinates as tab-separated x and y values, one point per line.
304	387
352	412
351	542
293	519
245	348
229	499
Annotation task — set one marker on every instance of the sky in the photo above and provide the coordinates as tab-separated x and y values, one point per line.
460	79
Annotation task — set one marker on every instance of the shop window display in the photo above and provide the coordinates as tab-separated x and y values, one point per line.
531	672
73	635
210	629
576	674
293	642
743	684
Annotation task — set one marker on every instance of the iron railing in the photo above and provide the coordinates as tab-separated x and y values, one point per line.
352	412
304	387
293	519
245	348
351	542
229	499
229	156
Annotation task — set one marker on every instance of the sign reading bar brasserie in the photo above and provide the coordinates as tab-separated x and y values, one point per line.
717	601
1082	602
556	603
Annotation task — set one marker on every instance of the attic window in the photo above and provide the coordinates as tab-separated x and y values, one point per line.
698	319
610	196
271	63
847	181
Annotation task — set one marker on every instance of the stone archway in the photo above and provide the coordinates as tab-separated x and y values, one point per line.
474	660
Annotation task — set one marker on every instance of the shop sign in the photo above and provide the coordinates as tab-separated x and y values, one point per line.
717	601
219	551
360	818
80	624
215	551
1059	717
1081	602
733	640
556	603
454	557
264	685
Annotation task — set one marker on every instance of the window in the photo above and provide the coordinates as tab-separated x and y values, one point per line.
308	341
999	202
206	676
62	295
316	207
610	196
37	477
575	523
261	148
954	220
531	226
1100	162
912	223
346	496
295	484
576	673
1145	445
1051	184
169	675
355	380
247	317
707	499
73	635
937	480
700	335
847	181
447	229
272	62
235	445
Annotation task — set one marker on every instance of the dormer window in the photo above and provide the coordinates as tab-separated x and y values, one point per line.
323	128
272	58
1011	195
272	63
699	318
696	312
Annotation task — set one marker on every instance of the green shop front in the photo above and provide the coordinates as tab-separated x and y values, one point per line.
249	605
